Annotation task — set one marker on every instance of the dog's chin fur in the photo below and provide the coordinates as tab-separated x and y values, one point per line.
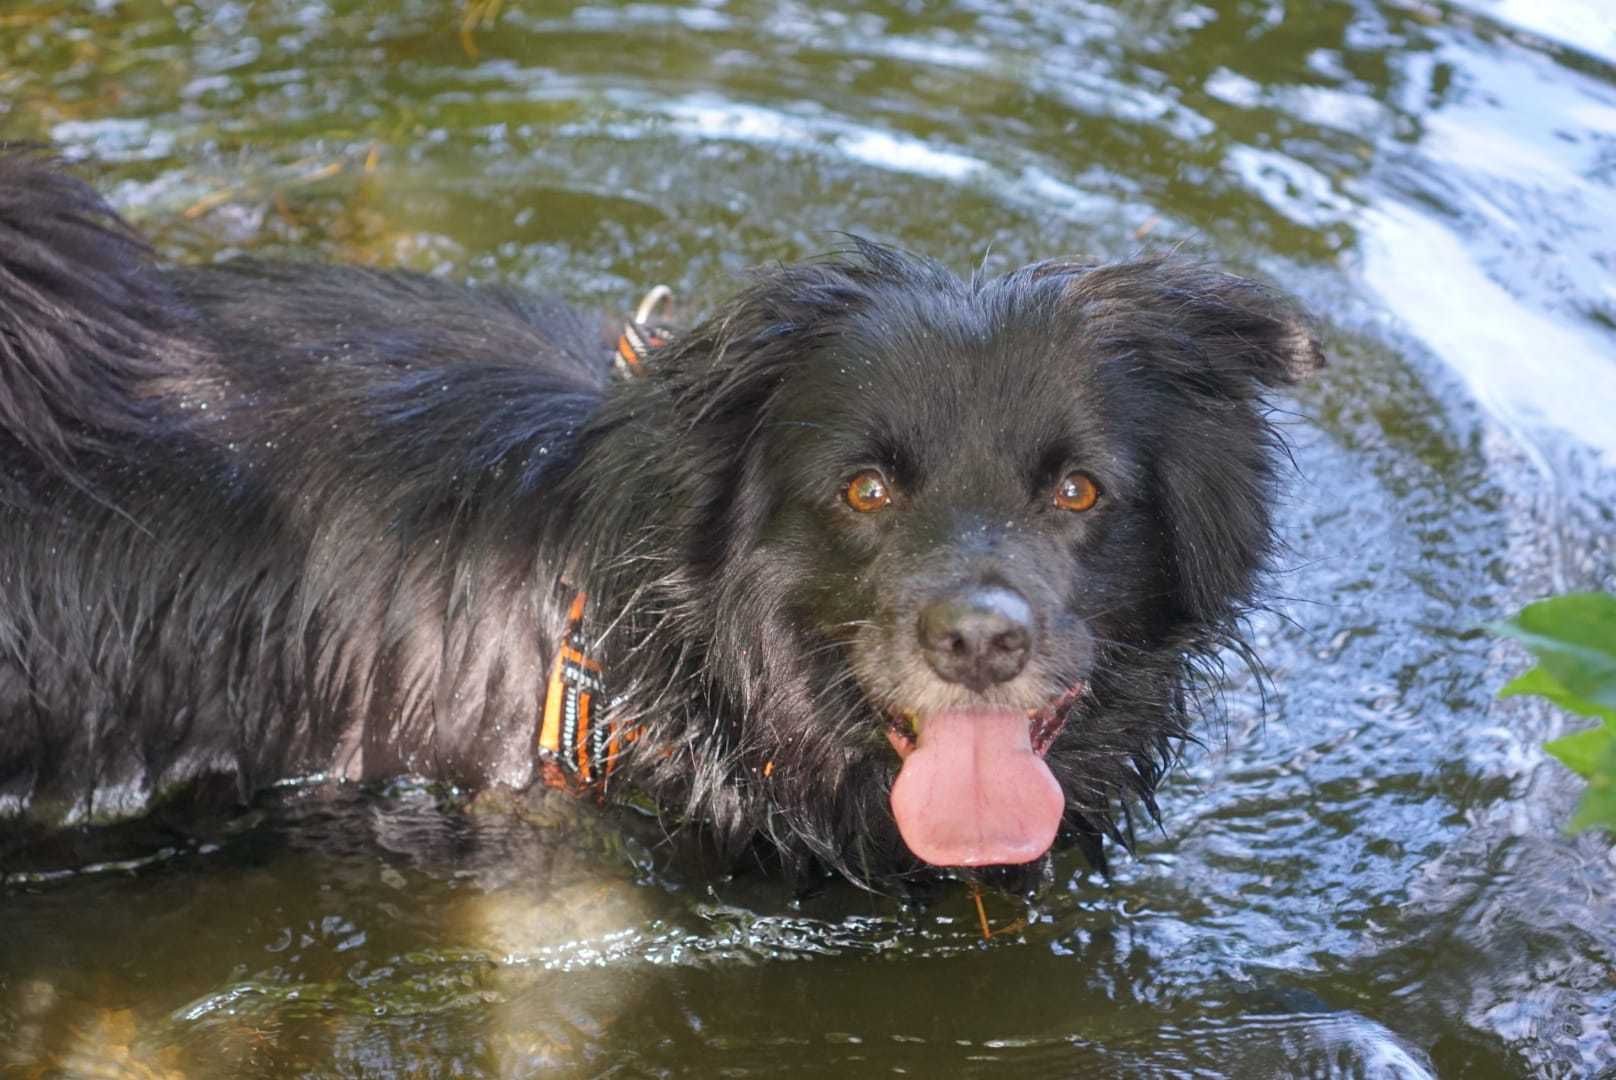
266	520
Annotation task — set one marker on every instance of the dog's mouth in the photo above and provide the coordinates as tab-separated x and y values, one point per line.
974	789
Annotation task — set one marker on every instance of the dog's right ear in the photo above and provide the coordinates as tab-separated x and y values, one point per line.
732	364
1211	328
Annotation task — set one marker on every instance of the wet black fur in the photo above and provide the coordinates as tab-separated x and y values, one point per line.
263	520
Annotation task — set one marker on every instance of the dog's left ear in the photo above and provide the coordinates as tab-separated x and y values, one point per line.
1214	342
1211	328
1242	322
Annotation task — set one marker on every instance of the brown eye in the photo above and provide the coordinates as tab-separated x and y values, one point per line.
1077	492
867	491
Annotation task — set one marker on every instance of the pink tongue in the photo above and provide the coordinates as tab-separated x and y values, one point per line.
973	793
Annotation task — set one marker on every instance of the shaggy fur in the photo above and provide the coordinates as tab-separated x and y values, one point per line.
262	520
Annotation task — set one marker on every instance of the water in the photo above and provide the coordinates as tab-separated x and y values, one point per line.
1370	881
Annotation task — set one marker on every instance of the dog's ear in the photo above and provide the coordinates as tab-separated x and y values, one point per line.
1211	342
1216	331
735	361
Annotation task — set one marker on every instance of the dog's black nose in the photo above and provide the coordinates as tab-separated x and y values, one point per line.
978	637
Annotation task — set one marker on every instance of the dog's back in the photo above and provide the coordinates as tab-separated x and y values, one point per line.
225	498
85	320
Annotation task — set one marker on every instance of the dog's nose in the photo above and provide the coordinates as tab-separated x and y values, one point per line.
978	637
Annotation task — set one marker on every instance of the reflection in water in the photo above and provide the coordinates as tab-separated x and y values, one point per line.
1369	881
1527	368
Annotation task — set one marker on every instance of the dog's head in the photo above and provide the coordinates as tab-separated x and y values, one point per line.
949	546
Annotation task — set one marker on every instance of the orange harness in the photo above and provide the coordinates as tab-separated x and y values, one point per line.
578	744
639	337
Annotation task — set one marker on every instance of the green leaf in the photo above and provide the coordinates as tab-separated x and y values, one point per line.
1540	682
1598	806
1574	640
1582	751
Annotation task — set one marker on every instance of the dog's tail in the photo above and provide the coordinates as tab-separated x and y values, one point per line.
86	322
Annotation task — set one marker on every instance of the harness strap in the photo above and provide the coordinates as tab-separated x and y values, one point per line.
640	337
578	744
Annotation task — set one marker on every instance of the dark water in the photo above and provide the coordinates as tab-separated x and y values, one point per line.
1372	881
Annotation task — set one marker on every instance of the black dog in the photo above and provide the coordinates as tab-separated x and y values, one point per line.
874	568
